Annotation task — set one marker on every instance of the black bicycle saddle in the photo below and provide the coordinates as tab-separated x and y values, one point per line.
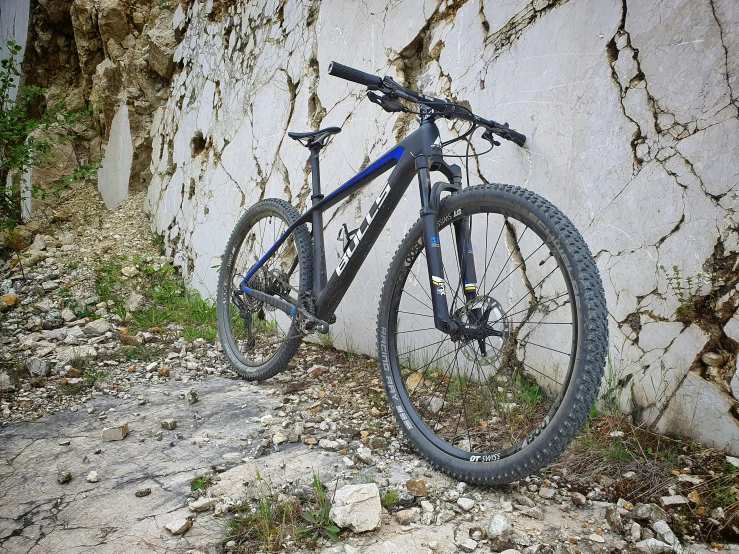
313	138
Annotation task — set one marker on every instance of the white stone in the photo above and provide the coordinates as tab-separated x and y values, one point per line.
468	545
115	433
665	534
652	546
465	503
66	354
636	215
499	526
114	175
178	525
357	507
202	504
179	18
436	404
698	409
547	492
405	517
658	334
96	328
364	454
93	477
328	444
731	329
674	500
38	367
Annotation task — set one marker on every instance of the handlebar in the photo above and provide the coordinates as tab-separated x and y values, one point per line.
443	108
354	75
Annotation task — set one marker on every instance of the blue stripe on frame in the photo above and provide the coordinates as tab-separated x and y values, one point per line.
394	154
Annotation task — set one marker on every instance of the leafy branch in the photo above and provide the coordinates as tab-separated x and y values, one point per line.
27	139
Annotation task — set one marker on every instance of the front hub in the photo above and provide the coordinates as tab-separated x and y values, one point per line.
484	330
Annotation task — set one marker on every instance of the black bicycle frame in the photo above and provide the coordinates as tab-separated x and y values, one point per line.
419	153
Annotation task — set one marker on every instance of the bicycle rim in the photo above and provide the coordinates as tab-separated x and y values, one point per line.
279	275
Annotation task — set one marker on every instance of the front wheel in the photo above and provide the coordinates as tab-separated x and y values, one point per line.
494	408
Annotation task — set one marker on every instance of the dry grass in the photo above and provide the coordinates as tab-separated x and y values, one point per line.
657	463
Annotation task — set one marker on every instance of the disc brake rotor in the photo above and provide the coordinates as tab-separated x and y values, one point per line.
487	311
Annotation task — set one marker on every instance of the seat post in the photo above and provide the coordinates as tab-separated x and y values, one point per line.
319	250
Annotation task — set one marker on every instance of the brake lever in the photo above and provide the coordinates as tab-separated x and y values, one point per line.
386	102
488	136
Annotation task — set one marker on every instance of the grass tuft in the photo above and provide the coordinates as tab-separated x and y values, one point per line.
274	522
201	483
389	498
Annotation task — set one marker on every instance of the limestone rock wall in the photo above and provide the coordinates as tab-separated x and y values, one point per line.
105	57
632	116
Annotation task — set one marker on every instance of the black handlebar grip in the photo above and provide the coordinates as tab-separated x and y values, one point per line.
354	75
516	137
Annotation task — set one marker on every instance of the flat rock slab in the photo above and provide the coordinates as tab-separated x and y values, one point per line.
39	515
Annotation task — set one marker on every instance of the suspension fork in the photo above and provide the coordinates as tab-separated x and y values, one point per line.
435	266
466	257
466	260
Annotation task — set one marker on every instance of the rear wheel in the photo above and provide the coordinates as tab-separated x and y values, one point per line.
257	339
497	407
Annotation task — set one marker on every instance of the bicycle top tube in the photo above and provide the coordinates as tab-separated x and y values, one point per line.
364	177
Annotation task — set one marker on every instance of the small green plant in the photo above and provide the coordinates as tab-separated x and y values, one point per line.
528	392
120	310
618	452
158	242
16	368
92	376
326	340
686	290
72	265
318	521
168	300
389	498
609	400
108	282
201	483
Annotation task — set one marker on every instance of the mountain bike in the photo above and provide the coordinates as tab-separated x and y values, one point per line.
491	328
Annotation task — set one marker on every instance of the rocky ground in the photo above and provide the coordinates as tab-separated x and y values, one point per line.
108	425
